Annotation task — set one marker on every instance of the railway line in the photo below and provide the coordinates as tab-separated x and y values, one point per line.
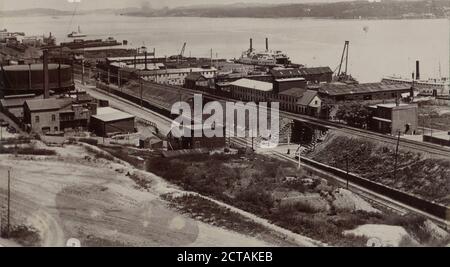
375	198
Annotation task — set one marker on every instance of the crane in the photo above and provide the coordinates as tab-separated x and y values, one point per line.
342	75
182	50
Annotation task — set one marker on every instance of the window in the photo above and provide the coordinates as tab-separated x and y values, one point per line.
315	102
36	119
56	129
53	117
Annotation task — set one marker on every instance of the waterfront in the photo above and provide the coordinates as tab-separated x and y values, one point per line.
377	47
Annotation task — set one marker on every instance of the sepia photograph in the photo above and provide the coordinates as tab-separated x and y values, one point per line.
224	129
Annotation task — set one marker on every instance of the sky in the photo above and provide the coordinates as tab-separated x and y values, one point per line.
100	4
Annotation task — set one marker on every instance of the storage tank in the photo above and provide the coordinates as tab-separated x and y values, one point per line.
26	79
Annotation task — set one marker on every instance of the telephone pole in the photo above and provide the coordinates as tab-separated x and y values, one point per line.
396	155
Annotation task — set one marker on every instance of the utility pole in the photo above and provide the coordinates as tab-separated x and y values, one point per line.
346	165
9	204
140	85
299	157
396	155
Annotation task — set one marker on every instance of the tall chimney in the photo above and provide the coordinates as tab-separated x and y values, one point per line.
45	70
267	44
417	70
251	44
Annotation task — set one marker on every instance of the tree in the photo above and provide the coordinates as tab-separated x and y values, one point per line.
354	114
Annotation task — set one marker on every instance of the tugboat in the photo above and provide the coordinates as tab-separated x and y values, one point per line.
76	34
271	58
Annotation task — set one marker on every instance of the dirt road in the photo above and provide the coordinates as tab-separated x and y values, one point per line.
95	202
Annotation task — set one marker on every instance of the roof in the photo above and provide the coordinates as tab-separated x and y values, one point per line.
295	92
33	67
17	101
253	84
308	96
108	114
48	104
283	73
335	89
290	79
194	76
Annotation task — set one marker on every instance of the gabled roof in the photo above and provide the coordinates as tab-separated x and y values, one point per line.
307	97
48	104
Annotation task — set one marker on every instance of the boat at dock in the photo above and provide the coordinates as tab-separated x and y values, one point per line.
270	58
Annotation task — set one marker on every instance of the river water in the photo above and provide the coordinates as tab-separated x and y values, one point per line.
377	47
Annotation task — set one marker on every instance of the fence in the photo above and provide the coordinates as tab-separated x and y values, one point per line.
416	202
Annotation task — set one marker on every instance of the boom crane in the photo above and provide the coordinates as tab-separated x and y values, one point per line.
342	75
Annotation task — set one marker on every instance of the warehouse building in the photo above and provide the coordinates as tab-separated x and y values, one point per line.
109	121
339	92
251	90
14	104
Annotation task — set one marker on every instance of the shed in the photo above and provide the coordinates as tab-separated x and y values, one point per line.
109	121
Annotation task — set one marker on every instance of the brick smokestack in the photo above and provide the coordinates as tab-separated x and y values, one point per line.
251	44
417	70
267	44
45	70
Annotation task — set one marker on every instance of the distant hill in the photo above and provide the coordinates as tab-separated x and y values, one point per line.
338	10
34	12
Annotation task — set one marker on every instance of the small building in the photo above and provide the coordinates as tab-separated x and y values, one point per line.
42	115
300	100
13	104
392	118
310	103
110	121
196	80
251	90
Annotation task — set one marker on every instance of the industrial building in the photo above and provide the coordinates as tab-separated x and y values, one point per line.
176	76
110	121
393	118
196	80
251	90
339	92
29	79
300	100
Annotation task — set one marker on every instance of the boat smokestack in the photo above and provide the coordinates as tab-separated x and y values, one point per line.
45	70
417	70
267	44
251	44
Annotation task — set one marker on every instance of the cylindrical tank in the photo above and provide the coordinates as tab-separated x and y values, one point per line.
23	79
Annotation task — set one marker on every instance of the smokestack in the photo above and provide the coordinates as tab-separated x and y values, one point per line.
251	44
45	70
267	44
417	70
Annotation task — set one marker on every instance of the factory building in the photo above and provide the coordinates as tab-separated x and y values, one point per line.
280	85
29	79
339	92
110	121
393	118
